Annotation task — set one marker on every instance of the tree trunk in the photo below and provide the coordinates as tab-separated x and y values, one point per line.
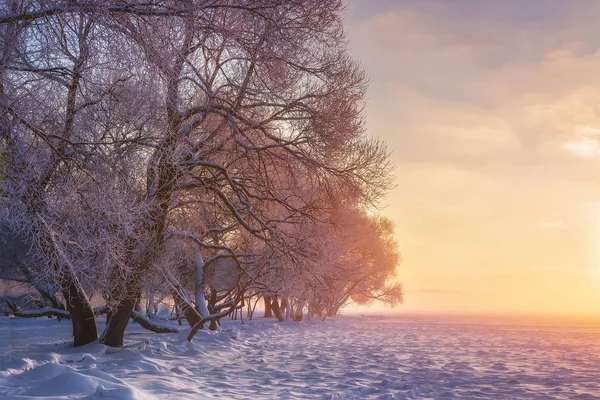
129	297
276	310
285	304
214	323
268	310
115	325
177	314
199	291
184	306
298	313
183	303
82	314
151	307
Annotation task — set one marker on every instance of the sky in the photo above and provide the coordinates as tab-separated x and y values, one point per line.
492	112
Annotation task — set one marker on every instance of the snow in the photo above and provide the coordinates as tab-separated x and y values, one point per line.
408	357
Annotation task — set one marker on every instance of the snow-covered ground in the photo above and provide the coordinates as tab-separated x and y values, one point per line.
342	358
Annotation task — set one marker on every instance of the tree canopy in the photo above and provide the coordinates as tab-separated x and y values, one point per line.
142	141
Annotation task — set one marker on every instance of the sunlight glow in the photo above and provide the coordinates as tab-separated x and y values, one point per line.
588	145
595	267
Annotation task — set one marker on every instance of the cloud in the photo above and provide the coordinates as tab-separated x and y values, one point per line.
535	76
492	110
436	291
553	225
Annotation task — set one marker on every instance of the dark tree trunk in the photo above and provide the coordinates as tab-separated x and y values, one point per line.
115	325
108	318
189	312
276	310
284	305
268	310
82	314
298	314
310	312
214	323
177	314
116	322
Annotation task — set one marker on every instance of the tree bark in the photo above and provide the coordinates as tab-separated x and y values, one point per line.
298	313
276	310
151	307
199	290
118	317
151	325
114	332
183	303
285	305
82	314
189	312
220	315
214	323
268	310
161	184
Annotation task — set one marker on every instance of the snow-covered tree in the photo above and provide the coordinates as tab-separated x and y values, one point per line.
145	139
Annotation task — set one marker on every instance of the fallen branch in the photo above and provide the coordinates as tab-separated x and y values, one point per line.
48	311
42	312
213	317
152	325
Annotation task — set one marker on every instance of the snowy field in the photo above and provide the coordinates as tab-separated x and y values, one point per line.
343	358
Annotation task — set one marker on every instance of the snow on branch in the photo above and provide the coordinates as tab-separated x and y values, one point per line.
152	325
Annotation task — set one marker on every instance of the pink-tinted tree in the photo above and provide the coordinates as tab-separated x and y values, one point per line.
172	132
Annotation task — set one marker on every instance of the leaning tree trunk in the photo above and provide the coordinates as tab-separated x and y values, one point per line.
162	175
189	312
183	303
114	333
118	317
78	305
